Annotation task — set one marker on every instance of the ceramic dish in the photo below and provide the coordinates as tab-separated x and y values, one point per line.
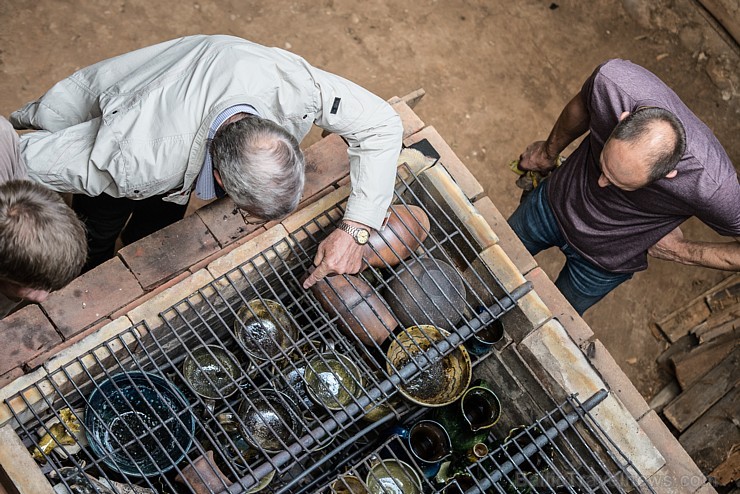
393	477
211	371
139	424
441	383
264	327
332	380
268	420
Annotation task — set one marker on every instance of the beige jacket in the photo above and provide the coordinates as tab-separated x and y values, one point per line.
136	125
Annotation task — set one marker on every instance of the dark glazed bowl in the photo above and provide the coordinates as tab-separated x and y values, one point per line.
139	424
428	291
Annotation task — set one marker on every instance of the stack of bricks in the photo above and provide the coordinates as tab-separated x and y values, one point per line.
149	276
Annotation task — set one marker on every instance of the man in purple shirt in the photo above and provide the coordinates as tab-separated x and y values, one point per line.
647	165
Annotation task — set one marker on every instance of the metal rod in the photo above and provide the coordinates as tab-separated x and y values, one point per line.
532	448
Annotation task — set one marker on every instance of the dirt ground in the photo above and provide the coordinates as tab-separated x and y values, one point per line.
496	74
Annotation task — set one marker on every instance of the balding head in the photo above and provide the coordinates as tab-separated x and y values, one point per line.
658	135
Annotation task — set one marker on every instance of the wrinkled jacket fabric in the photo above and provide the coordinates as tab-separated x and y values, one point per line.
135	125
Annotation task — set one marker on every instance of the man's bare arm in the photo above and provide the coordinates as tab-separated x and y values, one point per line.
572	123
717	255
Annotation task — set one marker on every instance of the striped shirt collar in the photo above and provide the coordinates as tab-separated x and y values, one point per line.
206	186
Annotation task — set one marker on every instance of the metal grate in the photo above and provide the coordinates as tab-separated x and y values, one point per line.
145	417
565	451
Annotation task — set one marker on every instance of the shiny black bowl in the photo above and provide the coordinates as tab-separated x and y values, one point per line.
139	424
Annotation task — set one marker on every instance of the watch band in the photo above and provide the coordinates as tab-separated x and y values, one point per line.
359	234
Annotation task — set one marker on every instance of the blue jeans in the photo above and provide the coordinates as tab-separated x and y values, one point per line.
580	281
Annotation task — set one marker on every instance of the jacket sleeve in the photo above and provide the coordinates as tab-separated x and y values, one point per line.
374	133
76	99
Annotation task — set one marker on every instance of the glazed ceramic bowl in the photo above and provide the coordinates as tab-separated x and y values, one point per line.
405	230
360	309
393	477
265	329
212	372
139	424
347	484
332	380
268	420
427	291
441	383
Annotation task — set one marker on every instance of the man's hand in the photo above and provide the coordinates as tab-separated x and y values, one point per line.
536	158
337	254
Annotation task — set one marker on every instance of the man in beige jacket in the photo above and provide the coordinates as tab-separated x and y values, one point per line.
132	136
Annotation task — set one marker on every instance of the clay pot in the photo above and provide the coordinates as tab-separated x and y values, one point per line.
361	311
406	228
203	475
428	291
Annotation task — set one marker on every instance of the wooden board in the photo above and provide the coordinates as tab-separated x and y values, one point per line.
721	322
693	365
729	470
681	321
710	439
705	392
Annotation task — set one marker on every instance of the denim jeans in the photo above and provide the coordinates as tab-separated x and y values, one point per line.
580	281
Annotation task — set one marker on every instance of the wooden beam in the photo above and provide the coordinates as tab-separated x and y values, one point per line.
705	392
691	366
711	438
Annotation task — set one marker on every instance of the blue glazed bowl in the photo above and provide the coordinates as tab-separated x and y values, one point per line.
139	424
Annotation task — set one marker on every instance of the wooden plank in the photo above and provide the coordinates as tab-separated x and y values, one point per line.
728	296
705	392
711	438
679	322
691	366
665	396
677	350
729	470
720	322
726	12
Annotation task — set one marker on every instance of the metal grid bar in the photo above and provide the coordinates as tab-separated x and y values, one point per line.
211	316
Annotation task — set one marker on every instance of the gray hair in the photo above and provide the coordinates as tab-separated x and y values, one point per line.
640	124
261	166
42	242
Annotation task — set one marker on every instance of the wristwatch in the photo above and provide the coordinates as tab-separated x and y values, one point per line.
361	235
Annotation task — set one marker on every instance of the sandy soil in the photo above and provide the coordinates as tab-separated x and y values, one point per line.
496	74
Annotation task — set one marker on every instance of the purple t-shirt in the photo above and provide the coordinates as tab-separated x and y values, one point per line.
614	228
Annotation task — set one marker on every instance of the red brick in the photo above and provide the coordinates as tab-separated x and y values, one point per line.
508	240
164	286
26	333
326	163
39	360
165	253
225	221
411	121
91	297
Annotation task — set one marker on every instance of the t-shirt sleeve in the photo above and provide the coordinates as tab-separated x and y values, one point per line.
721	211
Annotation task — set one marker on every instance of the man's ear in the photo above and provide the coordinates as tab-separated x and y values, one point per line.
672	173
623	115
217	176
